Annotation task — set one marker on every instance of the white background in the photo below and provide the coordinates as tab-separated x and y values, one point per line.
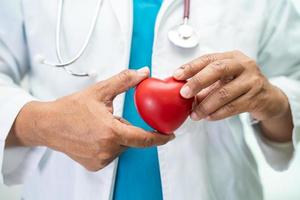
277	186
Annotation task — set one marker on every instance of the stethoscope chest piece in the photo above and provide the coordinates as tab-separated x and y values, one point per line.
184	36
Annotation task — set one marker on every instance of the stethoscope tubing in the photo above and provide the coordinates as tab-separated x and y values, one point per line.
61	63
187	8
64	64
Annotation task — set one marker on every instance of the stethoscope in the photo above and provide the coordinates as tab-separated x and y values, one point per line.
183	36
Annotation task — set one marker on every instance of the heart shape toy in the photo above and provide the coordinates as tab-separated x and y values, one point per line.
160	104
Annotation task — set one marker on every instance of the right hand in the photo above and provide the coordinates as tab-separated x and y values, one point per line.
83	126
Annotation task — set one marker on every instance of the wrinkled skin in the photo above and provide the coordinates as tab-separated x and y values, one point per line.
83	126
230	83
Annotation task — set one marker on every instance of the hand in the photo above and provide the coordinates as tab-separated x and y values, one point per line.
82	125
226	84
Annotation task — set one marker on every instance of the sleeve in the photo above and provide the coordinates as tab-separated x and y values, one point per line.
279	58
13	66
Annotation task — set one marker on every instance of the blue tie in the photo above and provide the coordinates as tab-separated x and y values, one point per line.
138	175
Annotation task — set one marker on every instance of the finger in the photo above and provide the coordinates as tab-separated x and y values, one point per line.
218	70
235	107
190	69
122	120
136	137
220	97
121	82
206	91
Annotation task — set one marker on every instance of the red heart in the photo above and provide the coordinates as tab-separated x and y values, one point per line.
160	104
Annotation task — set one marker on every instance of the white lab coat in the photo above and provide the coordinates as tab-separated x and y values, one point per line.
207	160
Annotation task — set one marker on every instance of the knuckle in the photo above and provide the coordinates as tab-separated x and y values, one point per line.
209	58
126	76
110	136
99	89
249	63
254	79
188	68
104	138
194	81
94	167
107	140
148	141
105	157
230	108
259	82
125	140
223	94
116	133
102	84
237	52
219	67
201	110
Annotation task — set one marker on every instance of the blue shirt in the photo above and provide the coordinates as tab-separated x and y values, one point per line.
138	175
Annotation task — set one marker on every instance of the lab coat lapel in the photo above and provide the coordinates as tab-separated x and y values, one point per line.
123	12
165	7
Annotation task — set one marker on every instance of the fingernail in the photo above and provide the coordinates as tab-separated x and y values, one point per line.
144	71
185	91
178	73
195	117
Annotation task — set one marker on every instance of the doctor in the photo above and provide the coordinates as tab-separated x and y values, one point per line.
64	138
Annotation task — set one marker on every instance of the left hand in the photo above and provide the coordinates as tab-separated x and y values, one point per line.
227	84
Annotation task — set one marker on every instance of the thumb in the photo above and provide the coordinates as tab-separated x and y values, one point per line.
121	82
